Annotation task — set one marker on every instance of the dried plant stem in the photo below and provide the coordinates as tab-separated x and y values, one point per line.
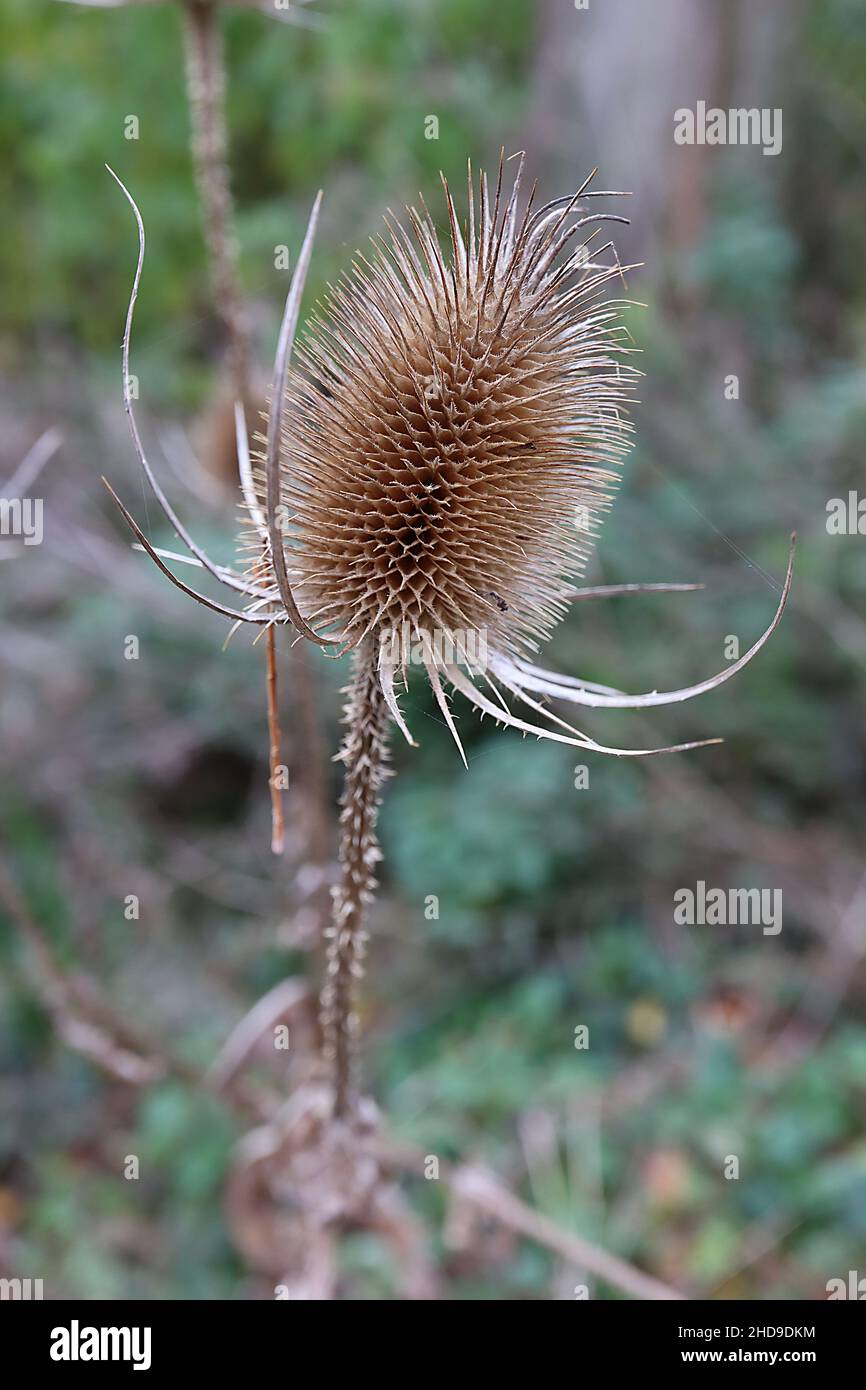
480	1188
365	754
306	697
205	75
276	768
83	1018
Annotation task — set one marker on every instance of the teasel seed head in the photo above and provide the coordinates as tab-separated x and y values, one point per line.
439	459
452	432
454	425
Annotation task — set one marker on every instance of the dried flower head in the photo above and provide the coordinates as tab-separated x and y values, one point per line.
452	433
438	462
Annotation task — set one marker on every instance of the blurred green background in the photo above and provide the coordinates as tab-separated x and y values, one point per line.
555	903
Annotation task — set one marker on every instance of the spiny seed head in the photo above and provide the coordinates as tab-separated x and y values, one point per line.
450	444
453	423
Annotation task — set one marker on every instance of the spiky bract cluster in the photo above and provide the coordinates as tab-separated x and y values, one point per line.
435	468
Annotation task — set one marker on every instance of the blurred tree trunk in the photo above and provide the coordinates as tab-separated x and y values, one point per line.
608	80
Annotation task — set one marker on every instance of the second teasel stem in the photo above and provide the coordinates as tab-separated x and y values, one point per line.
205	75
365	755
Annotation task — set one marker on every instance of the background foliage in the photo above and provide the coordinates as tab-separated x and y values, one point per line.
555	904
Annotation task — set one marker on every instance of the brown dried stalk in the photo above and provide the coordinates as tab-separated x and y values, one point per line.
477	1187
206	82
205	70
365	754
206	89
85	1021
278	829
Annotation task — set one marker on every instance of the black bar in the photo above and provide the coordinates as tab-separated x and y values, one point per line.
268	1338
